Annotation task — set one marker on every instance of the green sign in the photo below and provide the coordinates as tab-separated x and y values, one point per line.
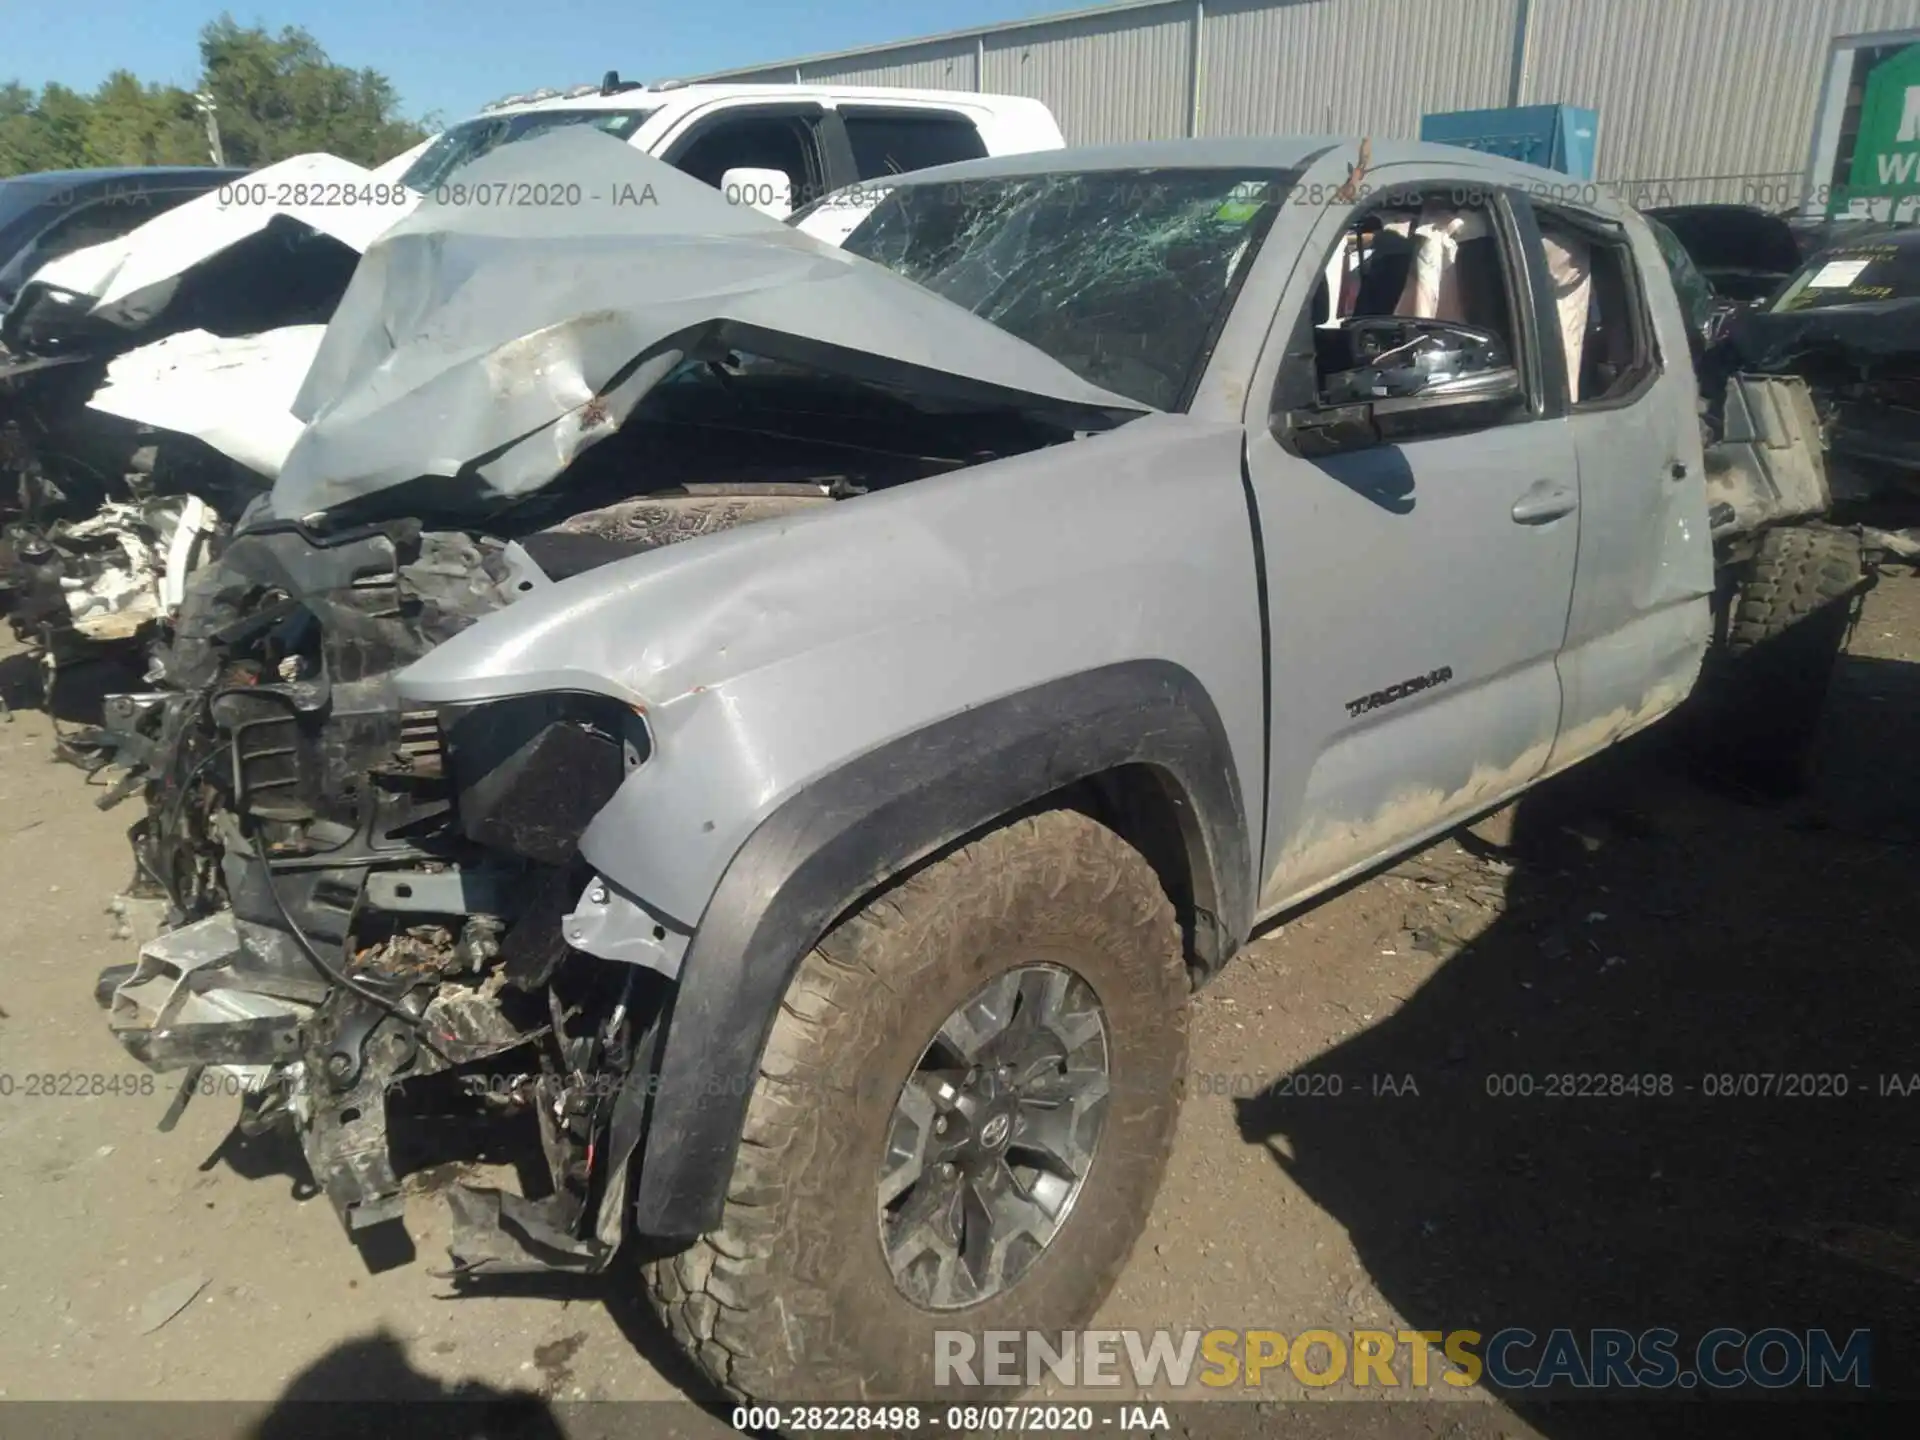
1886	154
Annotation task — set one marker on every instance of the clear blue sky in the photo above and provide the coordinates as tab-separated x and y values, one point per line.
454	57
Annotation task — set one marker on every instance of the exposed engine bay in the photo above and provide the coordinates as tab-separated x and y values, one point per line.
362	897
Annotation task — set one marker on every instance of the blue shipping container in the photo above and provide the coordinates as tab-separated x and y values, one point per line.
1557	137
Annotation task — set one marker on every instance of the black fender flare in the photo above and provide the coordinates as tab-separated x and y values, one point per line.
841	837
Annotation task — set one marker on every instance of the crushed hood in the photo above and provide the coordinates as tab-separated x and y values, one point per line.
493	340
126	282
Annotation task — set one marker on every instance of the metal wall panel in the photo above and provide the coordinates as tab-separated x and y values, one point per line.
1106	78
945	65
1864	17
1350	66
771	75
1699	99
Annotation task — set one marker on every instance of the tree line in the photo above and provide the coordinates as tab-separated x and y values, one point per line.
274	96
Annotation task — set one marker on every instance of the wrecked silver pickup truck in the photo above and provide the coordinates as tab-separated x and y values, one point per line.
795	722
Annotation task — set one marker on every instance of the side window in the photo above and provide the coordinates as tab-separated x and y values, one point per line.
87	224
758	141
1415	328
892	142
104	219
1603	322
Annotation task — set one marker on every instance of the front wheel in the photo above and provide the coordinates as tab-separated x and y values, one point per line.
960	1122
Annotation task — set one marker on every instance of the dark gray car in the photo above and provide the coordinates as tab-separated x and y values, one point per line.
49	213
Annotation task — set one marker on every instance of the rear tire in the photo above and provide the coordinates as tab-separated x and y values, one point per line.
1765	686
793	1297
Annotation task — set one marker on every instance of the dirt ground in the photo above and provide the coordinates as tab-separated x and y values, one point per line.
1621	920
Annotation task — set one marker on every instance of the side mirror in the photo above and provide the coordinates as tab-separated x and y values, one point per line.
768	191
1386	376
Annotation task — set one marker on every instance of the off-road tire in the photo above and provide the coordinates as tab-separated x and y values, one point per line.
1766	681
791	1298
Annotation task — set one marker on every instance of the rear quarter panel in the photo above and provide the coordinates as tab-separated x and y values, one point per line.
1641	617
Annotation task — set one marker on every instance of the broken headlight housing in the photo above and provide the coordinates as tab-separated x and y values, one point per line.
530	772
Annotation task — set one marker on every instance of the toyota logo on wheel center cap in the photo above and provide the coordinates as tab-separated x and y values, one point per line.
994	1133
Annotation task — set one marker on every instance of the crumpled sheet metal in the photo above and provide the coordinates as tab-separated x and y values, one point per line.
130	279
235	393
499	339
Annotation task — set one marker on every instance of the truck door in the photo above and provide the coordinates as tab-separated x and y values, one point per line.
1417	501
1642	612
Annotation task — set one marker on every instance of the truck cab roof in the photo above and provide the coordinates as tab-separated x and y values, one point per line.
822	136
685	97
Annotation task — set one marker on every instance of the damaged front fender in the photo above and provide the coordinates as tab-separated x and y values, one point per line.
860	658
765	656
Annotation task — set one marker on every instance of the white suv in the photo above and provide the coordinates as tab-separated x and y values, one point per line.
775	147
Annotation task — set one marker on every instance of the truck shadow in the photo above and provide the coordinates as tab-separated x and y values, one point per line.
369	1386
1654	928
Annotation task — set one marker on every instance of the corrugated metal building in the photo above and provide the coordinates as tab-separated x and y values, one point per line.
1713	99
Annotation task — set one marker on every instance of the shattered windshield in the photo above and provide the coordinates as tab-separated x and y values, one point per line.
1123	276
467	142
1853	275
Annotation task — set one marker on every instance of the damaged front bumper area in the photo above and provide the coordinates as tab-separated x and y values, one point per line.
367	902
378	906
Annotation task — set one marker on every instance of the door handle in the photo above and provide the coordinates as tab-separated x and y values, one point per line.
1545	500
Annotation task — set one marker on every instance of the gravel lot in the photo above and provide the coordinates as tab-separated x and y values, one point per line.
1621	920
